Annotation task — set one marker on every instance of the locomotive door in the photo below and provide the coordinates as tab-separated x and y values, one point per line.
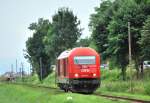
65	67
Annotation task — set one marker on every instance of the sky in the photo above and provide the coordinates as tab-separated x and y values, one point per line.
16	15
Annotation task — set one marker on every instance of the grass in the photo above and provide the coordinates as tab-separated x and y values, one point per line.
50	80
111	83
125	94
22	94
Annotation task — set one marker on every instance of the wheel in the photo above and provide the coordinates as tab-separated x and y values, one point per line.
66	90
65	87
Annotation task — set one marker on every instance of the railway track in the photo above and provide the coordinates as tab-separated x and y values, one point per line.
133	100
33	85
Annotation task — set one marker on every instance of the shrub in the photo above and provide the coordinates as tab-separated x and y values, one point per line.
147	88
110	75
31	79
117	86
50	80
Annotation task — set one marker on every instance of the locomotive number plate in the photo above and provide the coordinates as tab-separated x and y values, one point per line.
85	70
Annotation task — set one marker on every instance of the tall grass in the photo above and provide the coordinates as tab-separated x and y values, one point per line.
50	80
111	81
110	75
33	79
10	93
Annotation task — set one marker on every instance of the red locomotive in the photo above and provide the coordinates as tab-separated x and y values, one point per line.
78	70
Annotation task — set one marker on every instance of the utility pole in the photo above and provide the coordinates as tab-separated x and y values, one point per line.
129	40
22	70
11	73
30	69
16	66
12	68
130	56
41	67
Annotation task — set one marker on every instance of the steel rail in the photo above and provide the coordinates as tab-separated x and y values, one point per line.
96	94
123	98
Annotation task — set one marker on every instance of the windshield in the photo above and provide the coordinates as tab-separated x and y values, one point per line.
84	59
148	62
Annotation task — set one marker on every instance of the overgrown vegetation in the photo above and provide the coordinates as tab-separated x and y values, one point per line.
35	52
109	35
145	39
25	94
111	82
50	39
109	26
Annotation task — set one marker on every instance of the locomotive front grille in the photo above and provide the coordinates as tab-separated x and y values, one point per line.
84	81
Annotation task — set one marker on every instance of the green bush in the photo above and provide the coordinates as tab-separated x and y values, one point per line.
111	81
110	75
29	79
117	86
147	88
112	63
147	74
50	80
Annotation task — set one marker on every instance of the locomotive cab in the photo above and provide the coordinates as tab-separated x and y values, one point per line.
78	70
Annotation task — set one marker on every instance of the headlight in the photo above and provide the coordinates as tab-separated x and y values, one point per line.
94	75
76	75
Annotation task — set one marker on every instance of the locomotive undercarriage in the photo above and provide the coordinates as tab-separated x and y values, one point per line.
81	85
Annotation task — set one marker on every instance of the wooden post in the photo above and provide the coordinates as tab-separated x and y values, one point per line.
130	56
41	67
129	40
22	70
16	66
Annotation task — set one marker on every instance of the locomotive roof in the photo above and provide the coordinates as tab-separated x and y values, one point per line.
66	53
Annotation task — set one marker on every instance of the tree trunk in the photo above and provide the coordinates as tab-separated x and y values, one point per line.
123	74
137	73
137	68
142	71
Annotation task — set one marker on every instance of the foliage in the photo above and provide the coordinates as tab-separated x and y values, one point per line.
109	27
110	75
145	40
98	25
33	79
117	87
64	34
50	80
83	42
112	63
111	82
50	39
93	45
36	48
147	89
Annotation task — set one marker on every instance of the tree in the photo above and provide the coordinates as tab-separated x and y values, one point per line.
36	48
98	25
133	12
65	32
110	29
83	42
145	40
